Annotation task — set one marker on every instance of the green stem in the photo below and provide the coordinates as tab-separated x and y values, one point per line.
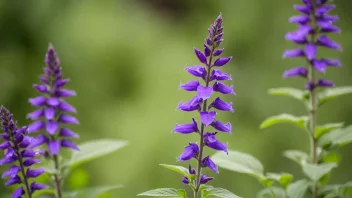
57	177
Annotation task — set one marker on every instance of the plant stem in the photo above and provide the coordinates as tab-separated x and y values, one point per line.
204	108
20	159
313	110
57	176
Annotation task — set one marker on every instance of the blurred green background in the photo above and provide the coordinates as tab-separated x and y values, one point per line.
126	59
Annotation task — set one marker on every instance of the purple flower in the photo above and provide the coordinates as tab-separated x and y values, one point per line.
313	25
53	110
211	82
16	143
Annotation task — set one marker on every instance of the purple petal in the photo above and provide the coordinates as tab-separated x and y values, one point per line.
204	179
190	86
310	86
221	126
28	153
186	128
197	71
191	170
207	117
35	186
27	140
41	88
326	42
189	152
64	106
210	164
329	28
217	74
30	161
61	82
36	126
36	114
185	180
325	83
218	52
44	79
65	93
212	142
69	144
49	113
293	53
54	147
52	127
5	145
222	88
200	56
53	102
51	59
324	9
297	71
303	9
12	172
37	101
32	173
222	61
39	140
13	181
300	20
192	105
64	132
18	192
332	62
319	65
311	51
221	105
204	92
68	119
206	50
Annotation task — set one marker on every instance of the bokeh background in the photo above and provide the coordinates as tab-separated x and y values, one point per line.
126	59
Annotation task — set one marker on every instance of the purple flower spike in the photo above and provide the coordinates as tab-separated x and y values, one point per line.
189	152
186	128
210	164
17	144
221	105
207	117
211	83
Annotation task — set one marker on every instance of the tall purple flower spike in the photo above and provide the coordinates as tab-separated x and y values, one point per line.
314	24
15	144
210	80
53	111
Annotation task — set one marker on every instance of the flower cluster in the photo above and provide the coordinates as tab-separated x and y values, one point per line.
53	110
313	25
17	153
212	78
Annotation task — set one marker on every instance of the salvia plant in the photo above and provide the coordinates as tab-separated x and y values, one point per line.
30	156
314	25
209	81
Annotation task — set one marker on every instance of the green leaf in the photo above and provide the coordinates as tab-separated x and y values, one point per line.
298	189
219	193
317	171
332	157
321	130
298	156
284	179
335	138
91	192
180	169
285	118
94	149
162	192
182	193
239	162
332	93
268	193
290	92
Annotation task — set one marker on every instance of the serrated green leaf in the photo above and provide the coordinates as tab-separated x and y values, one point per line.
285	118
92	192
284	179
239	162
298	189
219	193
94	149
180	169
329	94
321	130
317	171
290	92
297	156
335	138
268	193
162	192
